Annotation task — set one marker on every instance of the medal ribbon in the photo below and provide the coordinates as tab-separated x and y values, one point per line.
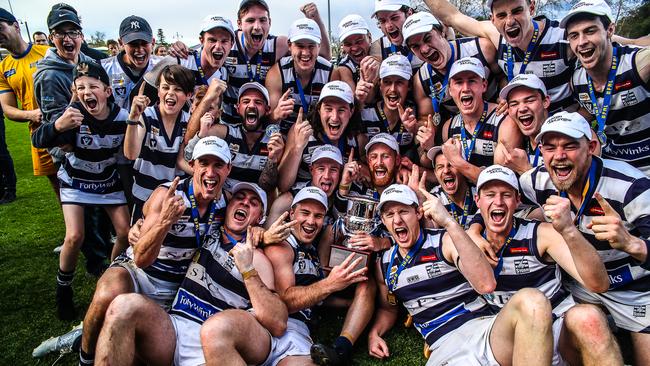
436	98
479	127
394	50
249	69
382	115
197	60
466	204
537	153
587	192
340	145
391	279
601	113
195	216
527	56
301	92
499	266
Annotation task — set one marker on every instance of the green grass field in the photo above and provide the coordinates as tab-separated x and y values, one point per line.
32	226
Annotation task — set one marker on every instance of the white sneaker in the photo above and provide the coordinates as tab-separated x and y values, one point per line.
62	344
57	250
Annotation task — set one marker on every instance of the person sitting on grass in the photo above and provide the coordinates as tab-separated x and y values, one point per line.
94	126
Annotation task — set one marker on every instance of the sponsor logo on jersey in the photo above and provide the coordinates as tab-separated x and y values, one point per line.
548	69
595	209
234	148
412	279
84	129
623	85
10	72
520	250
629	98
429	258
549	54
639	311
487	134
433	270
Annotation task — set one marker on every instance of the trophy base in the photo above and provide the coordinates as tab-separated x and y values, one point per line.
338	254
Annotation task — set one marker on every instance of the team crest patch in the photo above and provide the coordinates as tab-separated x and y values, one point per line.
155	131
234	148
584	97
86	140
10	72
231	60
84	129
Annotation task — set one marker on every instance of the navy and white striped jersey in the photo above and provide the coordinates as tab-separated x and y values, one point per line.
486	141
239	73
627	190
304	175
320	76
157	161
432	81
354	68
180	244
455	210
212	283
628	122
122	78
389	49
548	61
523	266
307	268
191	63
432	290
89	172
247	164
372	123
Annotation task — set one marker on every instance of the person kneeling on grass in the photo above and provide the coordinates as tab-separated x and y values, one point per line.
94	127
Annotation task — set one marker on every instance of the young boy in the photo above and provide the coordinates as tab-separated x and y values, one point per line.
93	129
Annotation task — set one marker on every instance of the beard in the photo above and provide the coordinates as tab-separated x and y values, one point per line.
384	181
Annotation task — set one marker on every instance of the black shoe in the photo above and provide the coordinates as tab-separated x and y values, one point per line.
64	304
8	197
325	355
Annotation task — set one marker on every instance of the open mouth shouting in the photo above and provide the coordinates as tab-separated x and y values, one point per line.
240	215
586	55
210	186
257	38
394	35
139	58
90	103
563	171
513	32
68	47
466	101
449	184
334	129
526	121
392	100
401	234
309	231
498	216
305	60
251	118
218	55
435	59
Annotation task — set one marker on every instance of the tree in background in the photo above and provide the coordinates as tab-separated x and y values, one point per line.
637	23
97	39
160	38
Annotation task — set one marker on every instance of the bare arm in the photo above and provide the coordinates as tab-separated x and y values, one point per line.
11	110
642	60
452	17
133	140
311	12
344	74
384	320
641	41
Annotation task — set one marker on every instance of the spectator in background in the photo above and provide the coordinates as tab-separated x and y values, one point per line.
113	47
40	38
160	50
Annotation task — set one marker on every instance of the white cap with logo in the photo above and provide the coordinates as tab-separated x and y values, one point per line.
212	145
471	64
338	89
256	86
390	5
497	172
397	65
399	193
595	7
352	24
571	124
252	187
530	81
327	152
304	29
310	193
217	21
383	138
421	22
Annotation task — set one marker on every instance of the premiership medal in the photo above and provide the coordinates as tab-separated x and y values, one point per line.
436	119
391	298
271	129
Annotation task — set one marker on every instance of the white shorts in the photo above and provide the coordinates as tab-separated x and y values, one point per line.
162	292
468	345
557	330
295	342
630	309
188	350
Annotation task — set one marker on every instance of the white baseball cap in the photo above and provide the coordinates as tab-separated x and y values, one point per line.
396	64
400	193
595	7
304	29
217	21
417	23
390	5
431	154
310	193
338	89
383	138
497	172
467	64
327	152
252	187
257	86
352	24
530	81
212	145
571	124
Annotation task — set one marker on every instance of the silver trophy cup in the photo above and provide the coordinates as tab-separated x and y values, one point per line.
359	218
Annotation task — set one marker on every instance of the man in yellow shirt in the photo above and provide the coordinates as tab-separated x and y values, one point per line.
16	82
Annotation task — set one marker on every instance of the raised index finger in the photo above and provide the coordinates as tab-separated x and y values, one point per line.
299	118
426	194
607	208
400	109
285	96
141	90
172	187
351	157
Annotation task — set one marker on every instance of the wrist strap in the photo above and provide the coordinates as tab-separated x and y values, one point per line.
250	273
133	123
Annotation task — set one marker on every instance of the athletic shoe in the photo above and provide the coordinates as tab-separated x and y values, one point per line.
8	197
65	343
58	249
64	304
325	355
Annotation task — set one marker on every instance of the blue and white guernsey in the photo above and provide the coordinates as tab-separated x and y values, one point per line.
373	122
307	269
303	177
320	76
180	243
389	49
212	283
486	140
433	291
88	174
627	126
122	79
523	266
239	73
354	68
627	190
157	161
247	164
548	61
456	211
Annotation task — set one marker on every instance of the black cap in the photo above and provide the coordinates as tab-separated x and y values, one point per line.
91	69
58	17
135	28
7	16
253	2
64	6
